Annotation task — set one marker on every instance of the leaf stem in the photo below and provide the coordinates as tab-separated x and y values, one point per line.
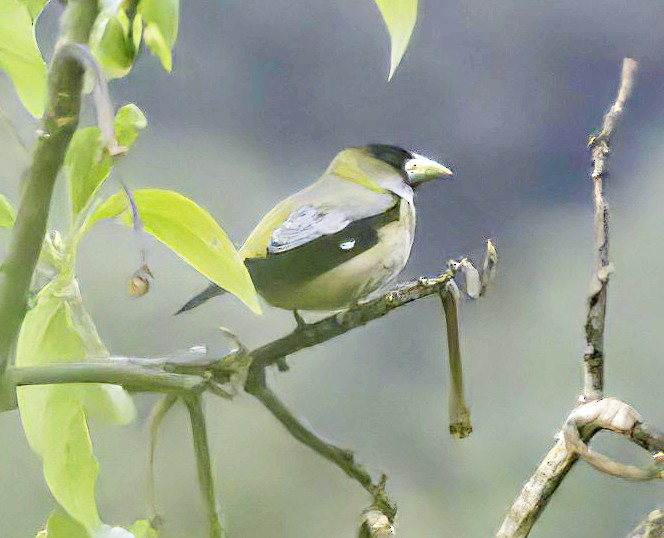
204	464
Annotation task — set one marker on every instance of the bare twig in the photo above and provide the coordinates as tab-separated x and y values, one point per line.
593	358
616	416
204	464
343	458
537	491
651	527
460	426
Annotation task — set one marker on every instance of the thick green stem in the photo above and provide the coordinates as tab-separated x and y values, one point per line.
59	124
204	464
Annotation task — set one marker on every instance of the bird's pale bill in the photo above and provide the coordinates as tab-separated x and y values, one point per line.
420	169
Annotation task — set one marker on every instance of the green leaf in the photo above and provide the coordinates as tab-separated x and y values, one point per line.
111	41
400	17
61	525
189	231
143	529
58	329
7	213
128	121
88	164
19	54
161	28
70	467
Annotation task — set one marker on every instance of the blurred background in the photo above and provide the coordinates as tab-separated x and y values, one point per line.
262	95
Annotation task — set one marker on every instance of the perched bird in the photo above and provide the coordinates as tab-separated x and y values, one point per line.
342	238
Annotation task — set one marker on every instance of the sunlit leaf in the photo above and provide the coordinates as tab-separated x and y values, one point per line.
400	17
190	232
161	28
88	164
128	121
7	213
58	330
19	54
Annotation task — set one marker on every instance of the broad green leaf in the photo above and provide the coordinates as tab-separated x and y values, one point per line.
19	54
111	41
7	213
35	7
128	121
59	330
88	164
70	467
161	19
400	17
189	231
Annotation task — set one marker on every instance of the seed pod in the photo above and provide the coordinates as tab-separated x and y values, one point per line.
139	284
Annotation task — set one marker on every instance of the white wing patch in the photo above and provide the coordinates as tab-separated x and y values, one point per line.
304	225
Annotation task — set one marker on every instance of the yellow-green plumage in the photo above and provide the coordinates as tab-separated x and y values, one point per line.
338	240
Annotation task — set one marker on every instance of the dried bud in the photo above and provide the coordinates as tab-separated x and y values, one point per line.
139	284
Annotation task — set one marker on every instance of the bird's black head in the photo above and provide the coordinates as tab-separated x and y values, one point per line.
414	168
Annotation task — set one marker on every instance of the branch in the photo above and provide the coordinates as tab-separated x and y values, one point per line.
537	491
593	358
460	426
204	464
651	527
383	510
59	124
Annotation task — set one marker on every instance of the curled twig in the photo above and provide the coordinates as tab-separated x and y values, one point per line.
606	414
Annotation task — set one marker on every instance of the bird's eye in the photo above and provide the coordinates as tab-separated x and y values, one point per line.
347	245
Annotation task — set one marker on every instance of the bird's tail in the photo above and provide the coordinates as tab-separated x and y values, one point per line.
211	291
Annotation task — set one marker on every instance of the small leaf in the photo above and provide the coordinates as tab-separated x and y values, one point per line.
111	41
190	232
161	28
19	54
7	213
400	17
128	121
143	529
88	165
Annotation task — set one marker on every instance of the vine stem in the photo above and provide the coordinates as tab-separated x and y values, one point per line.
58	126
204	463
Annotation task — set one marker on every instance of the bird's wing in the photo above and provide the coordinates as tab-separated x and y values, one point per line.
325	208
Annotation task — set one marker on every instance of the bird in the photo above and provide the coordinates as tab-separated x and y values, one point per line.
343	238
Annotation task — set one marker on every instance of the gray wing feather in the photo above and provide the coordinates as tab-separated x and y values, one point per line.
306	224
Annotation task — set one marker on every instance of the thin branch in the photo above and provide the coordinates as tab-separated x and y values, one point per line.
651	527
316	333
593	358
156	417
537	491
204	464
342	458
59	125
132	377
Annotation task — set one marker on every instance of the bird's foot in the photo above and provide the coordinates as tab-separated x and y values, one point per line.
301	324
